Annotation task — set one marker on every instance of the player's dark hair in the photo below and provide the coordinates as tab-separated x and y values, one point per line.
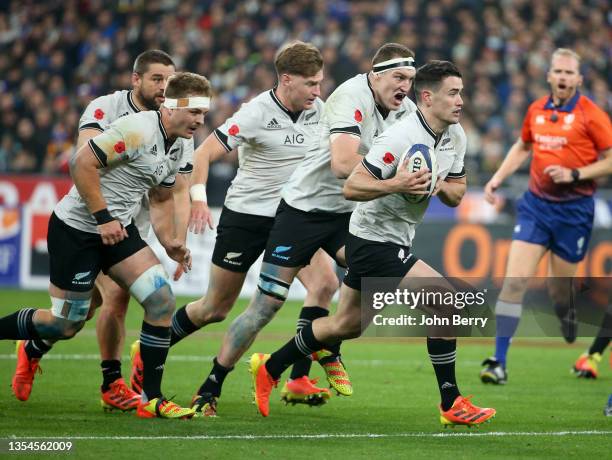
431	75
144	60
185	84
390	51
298	58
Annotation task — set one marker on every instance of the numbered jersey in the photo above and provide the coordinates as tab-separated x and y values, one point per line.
392	218
271	142
103	111
135	155
350	109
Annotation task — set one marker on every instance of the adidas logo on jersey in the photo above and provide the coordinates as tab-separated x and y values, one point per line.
153	150
273	124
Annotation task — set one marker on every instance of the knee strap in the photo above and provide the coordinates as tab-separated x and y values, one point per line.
70	309
150	281
274	287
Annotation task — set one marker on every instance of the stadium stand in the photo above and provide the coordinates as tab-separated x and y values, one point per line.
56	56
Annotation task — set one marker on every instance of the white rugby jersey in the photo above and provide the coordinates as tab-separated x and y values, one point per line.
147	159
271	142
351	109
392	218
104	110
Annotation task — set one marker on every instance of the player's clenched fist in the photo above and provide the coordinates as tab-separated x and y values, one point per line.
112	232
415	183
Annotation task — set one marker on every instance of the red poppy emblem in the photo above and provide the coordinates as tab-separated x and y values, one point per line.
234	130
388	158
358	116
119	147
99	114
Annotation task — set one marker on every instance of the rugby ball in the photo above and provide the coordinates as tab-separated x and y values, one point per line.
418	157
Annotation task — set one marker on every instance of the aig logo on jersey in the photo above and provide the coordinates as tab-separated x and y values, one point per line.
294	139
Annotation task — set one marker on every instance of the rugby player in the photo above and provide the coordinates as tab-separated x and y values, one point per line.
381	231
149	77
272	133
587	364
354	114
92	230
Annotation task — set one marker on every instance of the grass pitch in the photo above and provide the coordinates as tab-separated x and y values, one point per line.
543	412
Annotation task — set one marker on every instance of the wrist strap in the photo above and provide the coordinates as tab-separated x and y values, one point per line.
575	175
103	216
197	192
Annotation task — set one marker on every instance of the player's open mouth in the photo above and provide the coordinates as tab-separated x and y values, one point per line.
562	86
399	97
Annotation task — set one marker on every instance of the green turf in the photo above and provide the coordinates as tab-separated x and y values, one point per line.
395	397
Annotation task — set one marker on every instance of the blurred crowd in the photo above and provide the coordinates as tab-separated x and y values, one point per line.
57	55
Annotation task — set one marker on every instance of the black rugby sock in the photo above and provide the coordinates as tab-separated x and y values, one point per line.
214	382
181	325
307	316
442	354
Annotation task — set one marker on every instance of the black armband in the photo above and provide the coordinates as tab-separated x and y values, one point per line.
103	216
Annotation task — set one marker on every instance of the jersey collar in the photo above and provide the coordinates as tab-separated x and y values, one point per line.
568	107
131	103
168	143
293	115
428	128
383	112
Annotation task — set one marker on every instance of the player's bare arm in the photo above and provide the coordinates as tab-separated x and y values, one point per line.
344	156
450	191
518	153
210	150
363	186
180	193
601	168
85	135
84	171
163	222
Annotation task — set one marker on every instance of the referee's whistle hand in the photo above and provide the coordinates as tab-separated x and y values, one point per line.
559	174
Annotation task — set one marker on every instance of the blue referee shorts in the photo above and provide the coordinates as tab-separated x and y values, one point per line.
562	227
